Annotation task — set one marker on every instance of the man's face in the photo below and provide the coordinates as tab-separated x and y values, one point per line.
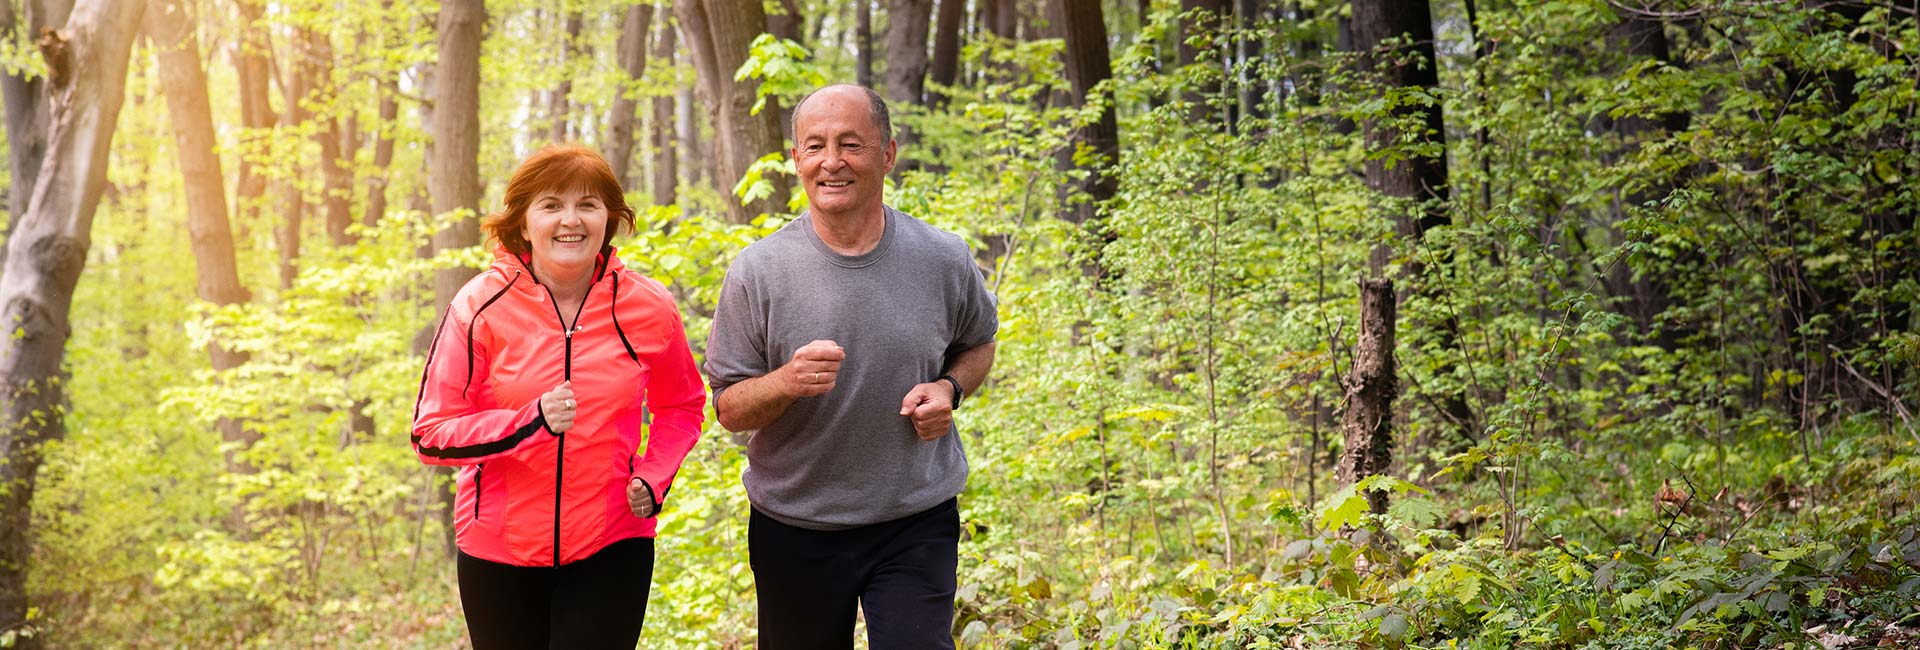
842	156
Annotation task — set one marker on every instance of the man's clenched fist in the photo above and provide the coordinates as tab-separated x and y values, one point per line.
813	370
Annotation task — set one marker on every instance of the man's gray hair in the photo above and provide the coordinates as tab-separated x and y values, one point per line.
874	102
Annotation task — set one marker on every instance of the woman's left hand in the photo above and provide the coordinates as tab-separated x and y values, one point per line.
640	498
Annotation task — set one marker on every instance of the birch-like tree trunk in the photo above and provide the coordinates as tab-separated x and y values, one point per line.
86	78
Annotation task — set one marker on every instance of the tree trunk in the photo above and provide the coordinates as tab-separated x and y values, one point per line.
946	49
1418	178
27	109
293	202
1204	31
314	67
1247	14
632	53
666	173
453	172
788	23
251	63
719	33
170	27
560	107
1637	38
1088	64
86	76
382	150
905	76
906	73
1370	388
697	161
863	43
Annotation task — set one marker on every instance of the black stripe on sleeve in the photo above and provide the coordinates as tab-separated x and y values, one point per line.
486	448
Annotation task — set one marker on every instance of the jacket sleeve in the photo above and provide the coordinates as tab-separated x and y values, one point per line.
449	427
678	402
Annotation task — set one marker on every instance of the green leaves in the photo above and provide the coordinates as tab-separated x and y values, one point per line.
783	68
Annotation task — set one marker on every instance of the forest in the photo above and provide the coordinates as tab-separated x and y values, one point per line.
1323	323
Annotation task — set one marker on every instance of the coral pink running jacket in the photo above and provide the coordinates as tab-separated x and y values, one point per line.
528	496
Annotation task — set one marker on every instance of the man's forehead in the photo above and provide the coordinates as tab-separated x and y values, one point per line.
834	106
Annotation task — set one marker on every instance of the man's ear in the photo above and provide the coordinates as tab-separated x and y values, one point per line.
893	149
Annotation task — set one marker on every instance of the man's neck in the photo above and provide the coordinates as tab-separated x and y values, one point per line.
851	234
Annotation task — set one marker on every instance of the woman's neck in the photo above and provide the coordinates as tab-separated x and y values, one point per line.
568	286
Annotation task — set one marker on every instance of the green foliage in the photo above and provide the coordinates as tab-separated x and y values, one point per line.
782	68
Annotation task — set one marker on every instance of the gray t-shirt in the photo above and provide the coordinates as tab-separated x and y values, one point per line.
901	312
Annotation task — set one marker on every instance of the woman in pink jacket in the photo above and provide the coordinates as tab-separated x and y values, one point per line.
539	386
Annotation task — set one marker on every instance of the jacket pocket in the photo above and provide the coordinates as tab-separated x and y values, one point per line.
479	472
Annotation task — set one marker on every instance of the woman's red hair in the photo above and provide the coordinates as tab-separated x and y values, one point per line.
559	167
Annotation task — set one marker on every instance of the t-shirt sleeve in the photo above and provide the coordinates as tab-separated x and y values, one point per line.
736	344
977	319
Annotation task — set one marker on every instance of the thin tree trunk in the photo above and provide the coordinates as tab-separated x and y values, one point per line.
87	71
560	107
666	175
170	27
621	117
382	150
1639	38
293	202
253	67
945	70
1203	31
1371	387
1088	64
313	65
863	43
696	161
1247	14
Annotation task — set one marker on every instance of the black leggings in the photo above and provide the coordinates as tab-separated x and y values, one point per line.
598	602
900	572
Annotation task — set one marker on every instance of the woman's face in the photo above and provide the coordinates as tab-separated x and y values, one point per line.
565	229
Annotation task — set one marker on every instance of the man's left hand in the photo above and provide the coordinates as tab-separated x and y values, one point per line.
931	407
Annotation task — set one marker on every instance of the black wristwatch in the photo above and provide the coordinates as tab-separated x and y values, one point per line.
956	389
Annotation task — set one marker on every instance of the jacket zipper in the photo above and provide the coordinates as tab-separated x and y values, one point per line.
560	457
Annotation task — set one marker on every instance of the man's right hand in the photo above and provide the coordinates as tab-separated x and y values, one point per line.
813	370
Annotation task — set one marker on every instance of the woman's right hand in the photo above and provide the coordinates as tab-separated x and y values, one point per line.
558	407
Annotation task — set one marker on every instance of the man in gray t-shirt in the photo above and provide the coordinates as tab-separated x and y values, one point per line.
844	341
